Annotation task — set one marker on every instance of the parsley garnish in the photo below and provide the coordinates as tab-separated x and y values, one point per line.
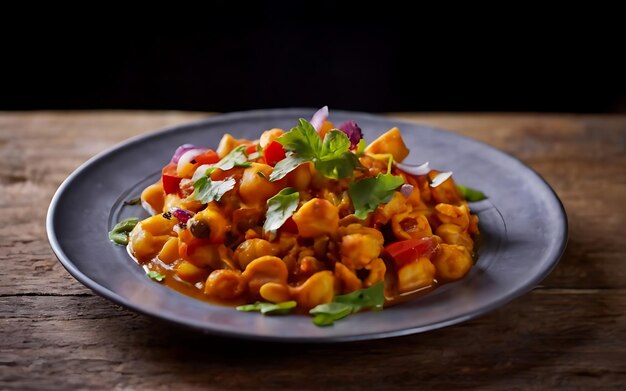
472	195
370	298
207	190
332	157
368	193
280	208
269	308
156	276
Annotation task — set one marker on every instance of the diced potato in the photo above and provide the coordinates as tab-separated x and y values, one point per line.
416	275
270	135
358	250
169	252
452	262
317	217
389	142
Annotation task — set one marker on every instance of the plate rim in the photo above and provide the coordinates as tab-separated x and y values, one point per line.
106	293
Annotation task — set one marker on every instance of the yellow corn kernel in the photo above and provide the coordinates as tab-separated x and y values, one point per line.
389	142
452	262
317	217
169	252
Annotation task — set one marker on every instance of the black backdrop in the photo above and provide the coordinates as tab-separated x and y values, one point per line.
311	54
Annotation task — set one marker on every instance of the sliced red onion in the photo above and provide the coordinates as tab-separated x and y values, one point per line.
353	131
180	150
187	157
422	169
406	190
181	214
440	178
319	117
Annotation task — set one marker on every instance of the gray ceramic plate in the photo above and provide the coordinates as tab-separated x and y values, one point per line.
523	224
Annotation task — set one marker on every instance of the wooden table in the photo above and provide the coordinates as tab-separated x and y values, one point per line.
568	333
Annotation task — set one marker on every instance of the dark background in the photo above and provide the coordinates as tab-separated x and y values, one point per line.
237	56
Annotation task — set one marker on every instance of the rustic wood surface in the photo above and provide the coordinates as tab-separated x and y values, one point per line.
568	333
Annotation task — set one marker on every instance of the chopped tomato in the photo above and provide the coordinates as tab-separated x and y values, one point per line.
274	152
209	157
252	148
408	251
290	226
170	179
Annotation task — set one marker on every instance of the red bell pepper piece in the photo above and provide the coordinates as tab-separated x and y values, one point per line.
408	251
274	152
170	179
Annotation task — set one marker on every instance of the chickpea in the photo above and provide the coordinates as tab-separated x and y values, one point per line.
318	289
452	262
149	236
410	226
345	279
453	234
224	284
358	250
377	269
252	249
450	214
416	275
275	292
255	188
263	270
208	224
317	217
446	192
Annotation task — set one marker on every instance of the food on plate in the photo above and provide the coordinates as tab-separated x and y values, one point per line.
308	220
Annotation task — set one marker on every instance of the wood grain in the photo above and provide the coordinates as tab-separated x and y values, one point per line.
568	333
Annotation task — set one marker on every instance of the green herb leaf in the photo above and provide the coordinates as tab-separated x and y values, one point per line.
133	201
119	233
472	195
360	147
280	208
285	166
269	308
372	298
327	314
235	158
332	157
207	190
368	193
303	139
156	276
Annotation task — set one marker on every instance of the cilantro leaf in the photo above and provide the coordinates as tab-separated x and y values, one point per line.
372	298
285	166
360	147
332	157
302	139
269	308
368	193
472	195
119	233
235	158
207	190
280	208
156	276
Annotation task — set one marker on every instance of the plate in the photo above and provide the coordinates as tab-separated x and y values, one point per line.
523	226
